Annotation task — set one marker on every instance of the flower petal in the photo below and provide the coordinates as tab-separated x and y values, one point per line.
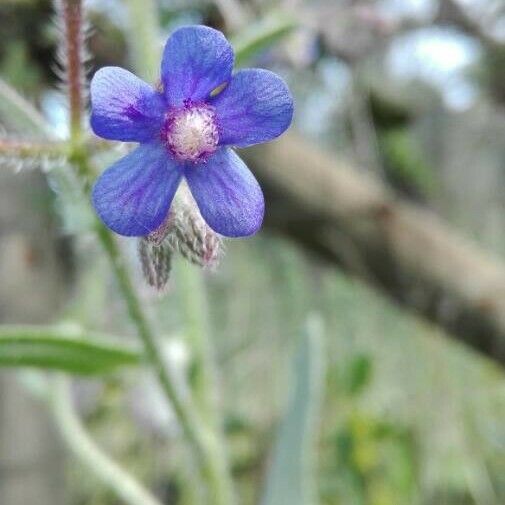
196	60
228	196
255	107
123	107
132	197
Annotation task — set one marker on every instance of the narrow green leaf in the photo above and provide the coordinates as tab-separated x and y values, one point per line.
291	476
19	113
260	35
60	348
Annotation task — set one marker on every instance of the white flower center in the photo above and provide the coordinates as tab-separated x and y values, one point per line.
191	132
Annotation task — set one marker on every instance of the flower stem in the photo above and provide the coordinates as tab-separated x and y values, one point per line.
203	378
89	454
145	43
204	442
72	53
22	149
194	309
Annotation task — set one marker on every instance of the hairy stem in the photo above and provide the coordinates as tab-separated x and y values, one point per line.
89	454
72	54
26	149
203	441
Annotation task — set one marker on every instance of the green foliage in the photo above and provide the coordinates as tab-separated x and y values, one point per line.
359	374
260	35
490	72
370	460
375	461
18	114
17	66
54	349
291	475
404	160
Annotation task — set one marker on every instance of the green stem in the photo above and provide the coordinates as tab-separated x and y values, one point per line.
205	443
145	43
193	307
89	454
203	373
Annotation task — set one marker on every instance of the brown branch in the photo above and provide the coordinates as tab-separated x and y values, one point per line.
351	219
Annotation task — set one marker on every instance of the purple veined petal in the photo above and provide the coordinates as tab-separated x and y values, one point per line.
196	60
227	194
123	107
132	197
255	107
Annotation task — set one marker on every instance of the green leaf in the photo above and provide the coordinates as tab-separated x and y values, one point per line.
405	161
260	35
15	111
359	374
291	476
65	349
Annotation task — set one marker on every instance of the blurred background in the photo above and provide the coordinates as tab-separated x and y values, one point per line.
385	226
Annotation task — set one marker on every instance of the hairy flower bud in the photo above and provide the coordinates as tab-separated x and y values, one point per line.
193	238
156	262
185	232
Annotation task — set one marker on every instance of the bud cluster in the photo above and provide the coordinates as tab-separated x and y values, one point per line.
185	232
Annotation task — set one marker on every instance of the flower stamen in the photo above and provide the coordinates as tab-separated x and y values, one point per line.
191	132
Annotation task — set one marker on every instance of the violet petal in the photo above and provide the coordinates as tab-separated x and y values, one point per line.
227	194
123	107
196	60
255	107
132	197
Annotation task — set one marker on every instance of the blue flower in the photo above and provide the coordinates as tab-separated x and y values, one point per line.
185	132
